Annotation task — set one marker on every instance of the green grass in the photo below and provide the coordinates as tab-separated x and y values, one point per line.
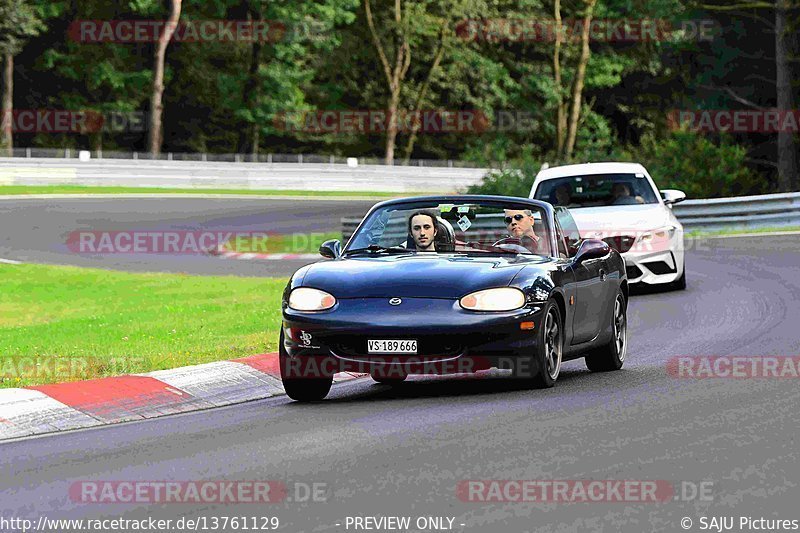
300	243
80	323
78	189
777	229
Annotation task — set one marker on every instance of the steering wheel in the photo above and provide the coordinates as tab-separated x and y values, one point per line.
509	240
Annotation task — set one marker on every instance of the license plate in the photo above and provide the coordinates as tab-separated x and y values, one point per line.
391	346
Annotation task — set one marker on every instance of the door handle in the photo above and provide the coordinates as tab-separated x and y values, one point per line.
602	275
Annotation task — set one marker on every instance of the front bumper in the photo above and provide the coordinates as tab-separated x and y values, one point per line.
449	338
652	268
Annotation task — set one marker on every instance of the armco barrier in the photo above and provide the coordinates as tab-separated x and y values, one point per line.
220	175
770	210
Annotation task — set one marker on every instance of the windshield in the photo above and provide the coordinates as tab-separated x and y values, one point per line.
464	228
597	190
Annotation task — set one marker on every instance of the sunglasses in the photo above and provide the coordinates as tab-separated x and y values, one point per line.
517	217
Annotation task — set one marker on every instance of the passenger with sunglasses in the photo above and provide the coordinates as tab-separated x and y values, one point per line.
519	223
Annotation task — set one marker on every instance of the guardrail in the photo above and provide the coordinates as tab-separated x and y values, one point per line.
222	175
300	159
770	210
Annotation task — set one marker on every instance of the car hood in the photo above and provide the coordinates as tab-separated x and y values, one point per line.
414	276
614	220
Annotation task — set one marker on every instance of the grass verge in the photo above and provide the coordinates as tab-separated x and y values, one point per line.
61	323
742	231
298	243
78	189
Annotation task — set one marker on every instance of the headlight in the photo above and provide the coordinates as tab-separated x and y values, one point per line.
666	232
307	299
502	299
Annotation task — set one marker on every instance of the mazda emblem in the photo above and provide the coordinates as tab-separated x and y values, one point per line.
395	301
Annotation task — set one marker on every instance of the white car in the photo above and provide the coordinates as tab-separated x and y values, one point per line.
619	203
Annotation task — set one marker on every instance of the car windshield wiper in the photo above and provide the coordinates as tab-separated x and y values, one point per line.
375	248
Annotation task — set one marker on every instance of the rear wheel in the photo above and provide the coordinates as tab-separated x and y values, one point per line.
546	360
297	386
611	356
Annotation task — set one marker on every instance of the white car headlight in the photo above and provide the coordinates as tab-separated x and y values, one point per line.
665	233
308	299
501	299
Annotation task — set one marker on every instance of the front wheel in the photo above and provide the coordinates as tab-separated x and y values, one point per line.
297	386
680	283
541	370
611	356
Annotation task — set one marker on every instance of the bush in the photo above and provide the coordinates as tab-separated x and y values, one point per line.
515	180
692	163
686	161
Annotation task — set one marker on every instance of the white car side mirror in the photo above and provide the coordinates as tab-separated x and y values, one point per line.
672	196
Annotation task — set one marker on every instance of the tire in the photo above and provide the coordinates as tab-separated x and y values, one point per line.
680	283
389	380
299	388
611	356
548	352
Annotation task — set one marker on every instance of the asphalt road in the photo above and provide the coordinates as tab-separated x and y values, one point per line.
37	230
384	451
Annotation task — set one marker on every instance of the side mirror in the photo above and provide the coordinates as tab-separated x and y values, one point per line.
592	249
672	196
331	249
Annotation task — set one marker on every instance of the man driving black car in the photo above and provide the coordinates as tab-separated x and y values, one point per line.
520	224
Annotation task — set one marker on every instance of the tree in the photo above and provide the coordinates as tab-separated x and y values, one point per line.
157	94
784	28
19	21
578	83
401	31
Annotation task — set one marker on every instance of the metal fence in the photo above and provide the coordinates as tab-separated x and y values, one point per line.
769	210
307	176
300	159
40	166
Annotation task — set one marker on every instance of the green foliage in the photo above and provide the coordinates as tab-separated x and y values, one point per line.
19	21
702	169
514	180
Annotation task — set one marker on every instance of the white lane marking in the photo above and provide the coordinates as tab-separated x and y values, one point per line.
10	261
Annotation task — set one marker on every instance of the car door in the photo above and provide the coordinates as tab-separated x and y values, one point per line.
591	283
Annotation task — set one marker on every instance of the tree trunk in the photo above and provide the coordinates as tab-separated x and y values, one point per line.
394	76
561	111
7	139
391	126
251	86
787	147
424	91
156	105
580	76
256	137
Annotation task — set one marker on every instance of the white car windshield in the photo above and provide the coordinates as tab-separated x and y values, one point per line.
597	190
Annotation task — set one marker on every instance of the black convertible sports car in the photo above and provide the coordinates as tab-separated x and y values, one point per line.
447	284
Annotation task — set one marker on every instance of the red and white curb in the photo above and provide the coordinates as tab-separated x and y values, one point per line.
63	406
222	252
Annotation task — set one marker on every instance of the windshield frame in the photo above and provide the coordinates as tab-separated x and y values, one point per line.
490	201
